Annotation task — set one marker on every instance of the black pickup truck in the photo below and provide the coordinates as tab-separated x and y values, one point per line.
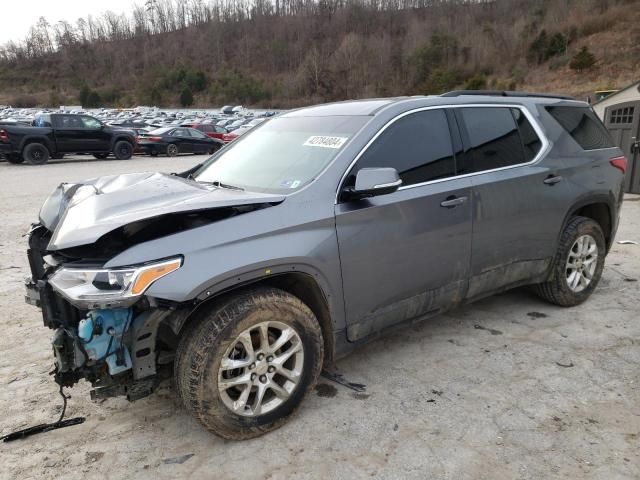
53	135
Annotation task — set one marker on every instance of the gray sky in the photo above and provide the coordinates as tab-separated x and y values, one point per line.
18	16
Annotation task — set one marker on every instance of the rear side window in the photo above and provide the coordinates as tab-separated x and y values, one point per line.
42	121
583	126
418	146
494	139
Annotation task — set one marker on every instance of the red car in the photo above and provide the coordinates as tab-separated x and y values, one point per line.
231	136
208	129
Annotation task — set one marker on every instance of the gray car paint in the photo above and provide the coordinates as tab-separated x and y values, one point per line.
356	251
117	200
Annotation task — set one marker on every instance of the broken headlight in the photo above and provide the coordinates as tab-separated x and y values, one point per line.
100	286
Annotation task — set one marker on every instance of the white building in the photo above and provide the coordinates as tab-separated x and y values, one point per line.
630	93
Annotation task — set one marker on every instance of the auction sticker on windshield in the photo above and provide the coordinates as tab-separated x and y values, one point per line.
326	142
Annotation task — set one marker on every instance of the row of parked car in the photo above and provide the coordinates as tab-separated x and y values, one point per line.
36	136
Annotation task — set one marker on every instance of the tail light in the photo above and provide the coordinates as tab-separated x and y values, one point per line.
153	139
619	162
4	136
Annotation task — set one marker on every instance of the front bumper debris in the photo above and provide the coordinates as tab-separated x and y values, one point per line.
112	348
32	293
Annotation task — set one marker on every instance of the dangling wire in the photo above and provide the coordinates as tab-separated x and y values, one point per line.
46	427
64	404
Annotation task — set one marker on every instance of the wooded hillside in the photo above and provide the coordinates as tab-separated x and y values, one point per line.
284	53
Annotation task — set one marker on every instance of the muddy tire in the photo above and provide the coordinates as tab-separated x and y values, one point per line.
577	266
36	154
15	158
123	150
244	366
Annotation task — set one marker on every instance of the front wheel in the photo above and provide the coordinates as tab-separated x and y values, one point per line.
244	366
578	264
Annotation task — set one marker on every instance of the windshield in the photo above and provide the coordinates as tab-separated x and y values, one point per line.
283	155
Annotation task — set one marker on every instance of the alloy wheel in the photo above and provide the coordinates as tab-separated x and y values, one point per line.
581	263
261	368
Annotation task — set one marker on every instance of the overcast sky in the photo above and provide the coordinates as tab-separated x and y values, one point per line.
18	16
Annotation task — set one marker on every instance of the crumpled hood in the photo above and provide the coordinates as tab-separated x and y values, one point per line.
81	213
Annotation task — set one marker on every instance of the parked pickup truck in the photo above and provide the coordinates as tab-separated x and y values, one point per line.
53	135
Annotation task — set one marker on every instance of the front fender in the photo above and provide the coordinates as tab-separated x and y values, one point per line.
244	249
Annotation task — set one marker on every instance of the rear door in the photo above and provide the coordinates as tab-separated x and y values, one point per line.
69	133
406	254
519	201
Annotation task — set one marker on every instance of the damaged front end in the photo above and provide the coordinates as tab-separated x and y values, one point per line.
107	330
104	331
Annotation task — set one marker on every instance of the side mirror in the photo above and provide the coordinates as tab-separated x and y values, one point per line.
371	182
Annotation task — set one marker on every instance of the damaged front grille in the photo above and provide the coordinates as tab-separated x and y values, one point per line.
56	311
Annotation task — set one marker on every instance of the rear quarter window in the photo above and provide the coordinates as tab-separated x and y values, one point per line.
583	125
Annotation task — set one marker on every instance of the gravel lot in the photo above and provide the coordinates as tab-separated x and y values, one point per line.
506	388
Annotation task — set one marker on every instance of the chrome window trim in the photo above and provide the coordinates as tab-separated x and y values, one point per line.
545	144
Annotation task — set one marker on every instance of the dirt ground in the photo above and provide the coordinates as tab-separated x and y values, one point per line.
506	388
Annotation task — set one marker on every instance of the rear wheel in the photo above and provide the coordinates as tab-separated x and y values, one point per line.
245	366
15	158
101	156
578	264
36	154
172	150
123	150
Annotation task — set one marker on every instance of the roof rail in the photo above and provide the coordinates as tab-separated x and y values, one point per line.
504	93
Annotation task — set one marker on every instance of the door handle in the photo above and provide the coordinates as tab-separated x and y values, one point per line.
452	202
553	179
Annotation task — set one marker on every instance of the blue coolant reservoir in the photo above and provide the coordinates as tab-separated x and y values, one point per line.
101	332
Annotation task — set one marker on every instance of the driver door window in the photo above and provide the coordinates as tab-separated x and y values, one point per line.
89	122
418	146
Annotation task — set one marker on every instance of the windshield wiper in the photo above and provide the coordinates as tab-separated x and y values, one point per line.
219	184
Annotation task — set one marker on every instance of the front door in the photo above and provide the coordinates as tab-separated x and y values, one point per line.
95	136
623	121
183	140
201	143
406	254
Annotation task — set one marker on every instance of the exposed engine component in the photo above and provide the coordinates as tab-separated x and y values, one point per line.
101	333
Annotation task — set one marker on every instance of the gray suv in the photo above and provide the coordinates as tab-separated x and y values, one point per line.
314	233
